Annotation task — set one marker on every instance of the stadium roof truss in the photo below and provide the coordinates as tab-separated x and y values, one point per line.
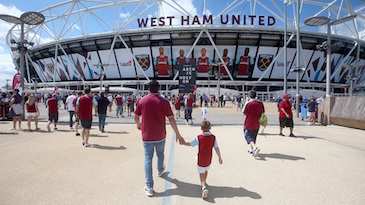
92	25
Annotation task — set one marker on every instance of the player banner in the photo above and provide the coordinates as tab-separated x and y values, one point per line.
187	75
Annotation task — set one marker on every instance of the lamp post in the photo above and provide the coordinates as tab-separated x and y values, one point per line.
7	85
102	74
30	18
320	21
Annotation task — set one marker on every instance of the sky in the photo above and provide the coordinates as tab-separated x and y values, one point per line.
17	7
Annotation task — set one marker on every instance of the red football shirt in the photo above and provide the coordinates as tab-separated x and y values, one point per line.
253	110
287	107
153	109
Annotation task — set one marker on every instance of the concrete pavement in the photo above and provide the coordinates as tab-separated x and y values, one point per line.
322	165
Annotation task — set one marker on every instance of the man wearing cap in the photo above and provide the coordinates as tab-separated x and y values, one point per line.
286	115
53	104
70	106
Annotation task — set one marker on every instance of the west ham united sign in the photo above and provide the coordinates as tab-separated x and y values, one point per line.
224	20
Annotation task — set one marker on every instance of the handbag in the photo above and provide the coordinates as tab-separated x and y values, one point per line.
17	108
263	119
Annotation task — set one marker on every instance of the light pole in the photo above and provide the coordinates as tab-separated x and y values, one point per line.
102	74
320	21
7	85
351	77
30	18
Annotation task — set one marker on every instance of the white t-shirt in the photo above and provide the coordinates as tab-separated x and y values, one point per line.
205	112
69	101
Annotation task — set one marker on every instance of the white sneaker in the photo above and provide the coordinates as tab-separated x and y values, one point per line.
250	152
20	128
13	128
148	191
83	143
205	193
48	128
256	152
87	145
160	173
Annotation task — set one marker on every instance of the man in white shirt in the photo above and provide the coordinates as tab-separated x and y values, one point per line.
70	106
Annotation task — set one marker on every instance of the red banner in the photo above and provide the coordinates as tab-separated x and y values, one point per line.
16	81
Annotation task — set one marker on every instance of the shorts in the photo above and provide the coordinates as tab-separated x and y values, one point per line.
202	170
286	122
32	114
311	114
177	108
86	123
53	117
250	135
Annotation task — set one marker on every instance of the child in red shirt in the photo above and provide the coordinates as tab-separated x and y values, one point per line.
206	142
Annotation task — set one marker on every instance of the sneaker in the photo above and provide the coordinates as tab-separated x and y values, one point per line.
281	134
20	128
148	191
83	143
71	128
55	129
48	128
256	152
87	145
291	135
13	128
205	193
160	173
77	134
250	152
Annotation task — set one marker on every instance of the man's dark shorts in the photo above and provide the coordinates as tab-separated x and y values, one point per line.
86	123
53	117
286	122
250	135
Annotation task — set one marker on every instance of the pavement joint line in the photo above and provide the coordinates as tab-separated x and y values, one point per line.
170	166
331	141
19	140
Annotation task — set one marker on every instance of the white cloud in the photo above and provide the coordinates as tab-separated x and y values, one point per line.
187	5
7	68
124	15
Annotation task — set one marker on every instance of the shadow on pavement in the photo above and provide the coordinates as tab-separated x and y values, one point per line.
194	190
8	133
117	132
97	135
279	156
108	147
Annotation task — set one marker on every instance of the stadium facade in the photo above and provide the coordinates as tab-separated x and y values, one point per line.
118	43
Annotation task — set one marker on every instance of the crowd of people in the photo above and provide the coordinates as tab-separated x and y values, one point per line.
153	109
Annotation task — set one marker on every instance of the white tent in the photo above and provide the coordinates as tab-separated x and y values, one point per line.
210	91
304	92
48	90
116	90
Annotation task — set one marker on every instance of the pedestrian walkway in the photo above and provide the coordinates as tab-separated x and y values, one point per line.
322	165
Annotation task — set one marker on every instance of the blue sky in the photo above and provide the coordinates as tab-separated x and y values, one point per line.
17	7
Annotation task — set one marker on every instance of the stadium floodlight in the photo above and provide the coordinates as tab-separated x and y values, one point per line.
30	18
320	21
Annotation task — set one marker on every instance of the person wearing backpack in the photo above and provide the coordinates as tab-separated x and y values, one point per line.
253	110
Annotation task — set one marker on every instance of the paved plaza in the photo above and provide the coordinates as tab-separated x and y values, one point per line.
321	165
